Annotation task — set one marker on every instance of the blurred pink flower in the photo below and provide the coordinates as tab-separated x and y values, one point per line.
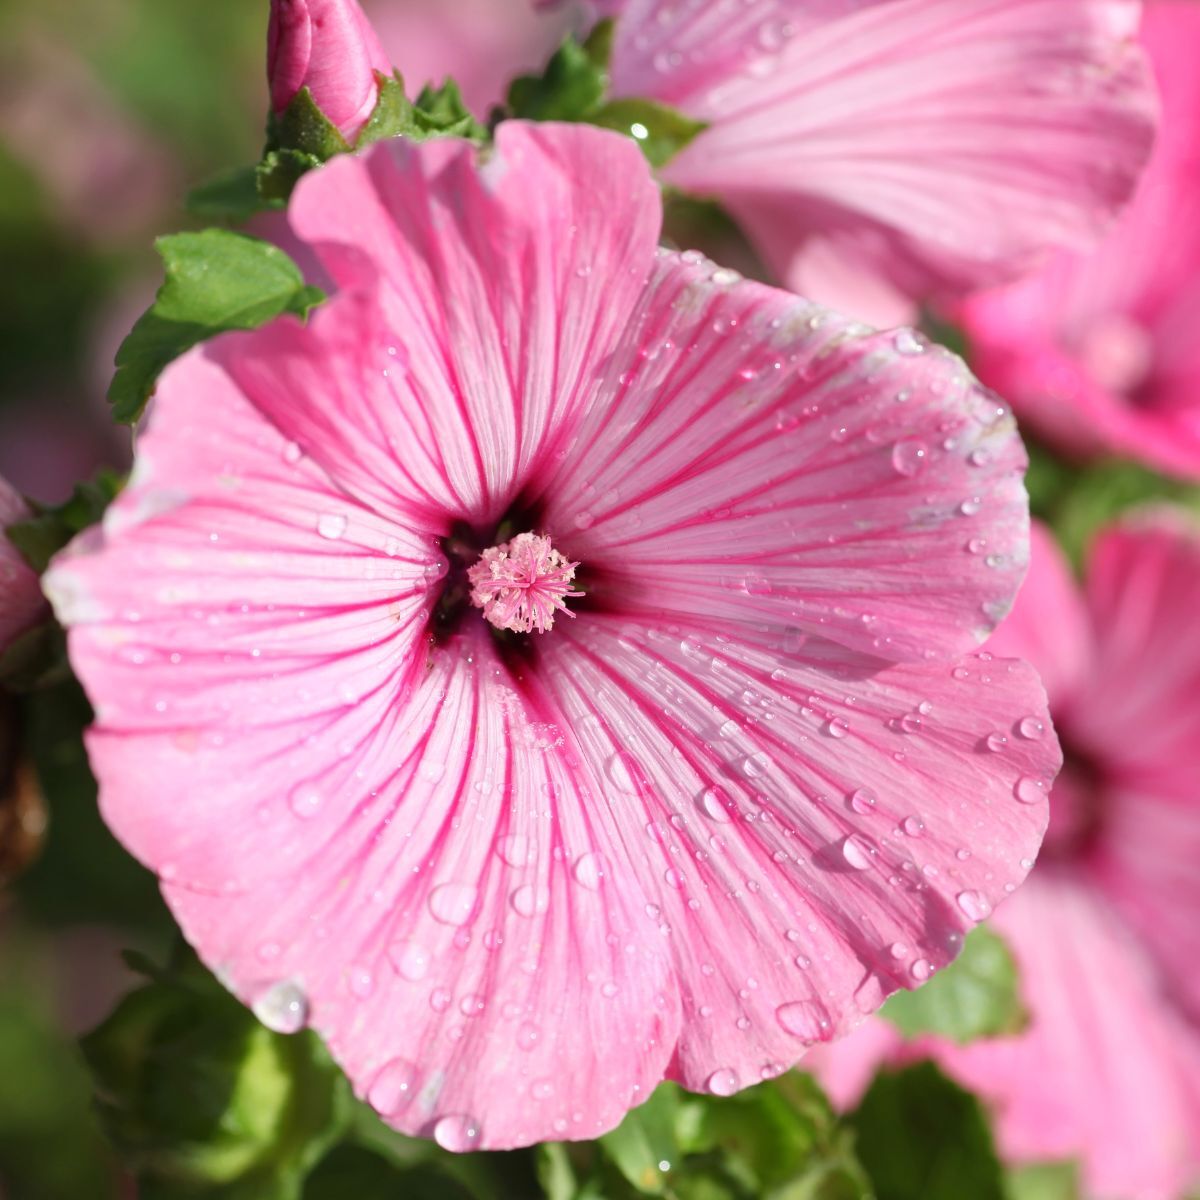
1101	353
329	47
482	44
517	879
1107	930
20	594
879	152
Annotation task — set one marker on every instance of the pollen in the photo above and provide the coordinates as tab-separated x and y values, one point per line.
523	584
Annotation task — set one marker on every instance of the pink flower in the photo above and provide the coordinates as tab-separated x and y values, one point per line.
20	594
1107	930
879	152
1101	352
515	879
329	47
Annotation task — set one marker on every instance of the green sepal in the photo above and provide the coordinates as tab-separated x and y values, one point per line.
975	996
233	196
303	126
216	280
1043	1181
660	131
922	1137
202	1100
41	536
278	174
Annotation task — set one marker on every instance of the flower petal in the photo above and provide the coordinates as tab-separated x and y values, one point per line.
503	286
20	595
901	148
816	828
761	460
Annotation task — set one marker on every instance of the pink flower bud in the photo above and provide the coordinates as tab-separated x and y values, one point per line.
329	47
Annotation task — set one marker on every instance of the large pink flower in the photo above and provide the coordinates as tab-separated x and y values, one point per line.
712	816
1107	930
1101	353
20	595
880	151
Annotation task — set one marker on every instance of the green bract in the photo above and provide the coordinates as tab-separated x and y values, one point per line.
216	280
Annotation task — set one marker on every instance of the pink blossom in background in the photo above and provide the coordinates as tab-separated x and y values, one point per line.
879	152
329	47
21	600
1107	930
712	817
1101	352
482	44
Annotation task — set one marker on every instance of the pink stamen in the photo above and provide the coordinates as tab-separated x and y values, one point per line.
521	584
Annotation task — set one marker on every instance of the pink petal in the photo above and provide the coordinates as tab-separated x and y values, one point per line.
1106	1072
900	148
1142	721
503	287
1049	624
1099	352
460	929
815	828
862	486
20	594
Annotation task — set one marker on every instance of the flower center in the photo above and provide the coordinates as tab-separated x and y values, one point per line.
522	584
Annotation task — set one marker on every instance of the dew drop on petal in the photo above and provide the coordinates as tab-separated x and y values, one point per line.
530	900
283	1007
805	1019
909	457
410	959
995	742
457	1133
713	802
914	827
920	970
515	849
907	342
723	1082
974	905
453	903
1031	790
332	525
590	870
856	852
393	1087
837	727
305	801
622	772
862	801
1031	728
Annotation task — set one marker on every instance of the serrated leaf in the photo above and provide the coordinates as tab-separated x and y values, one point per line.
975	996
231	196
661	132
921	1137
216	280
571	87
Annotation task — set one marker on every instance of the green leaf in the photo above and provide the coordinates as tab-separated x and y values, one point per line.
660	131
354	1173
231	196
976	996
646	1145
571	87
200	1098
921	1137
216	280
40	537
1045	1181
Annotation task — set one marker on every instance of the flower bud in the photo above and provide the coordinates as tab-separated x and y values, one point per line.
329	47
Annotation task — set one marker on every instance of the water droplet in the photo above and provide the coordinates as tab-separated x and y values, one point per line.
590	870
907	342
913	827
909	457
898	950
305	801
439	1000
921	970
530	900
857	852
623	771
995	742
713	802
1031	790
283	1007
805	1019
862	801
1031	728
453	903
410	959
332	525
362	982
910	723
393	1087
515	849
974	904
457	1133
970	506
292	453
837	727
528	1036
723	1082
